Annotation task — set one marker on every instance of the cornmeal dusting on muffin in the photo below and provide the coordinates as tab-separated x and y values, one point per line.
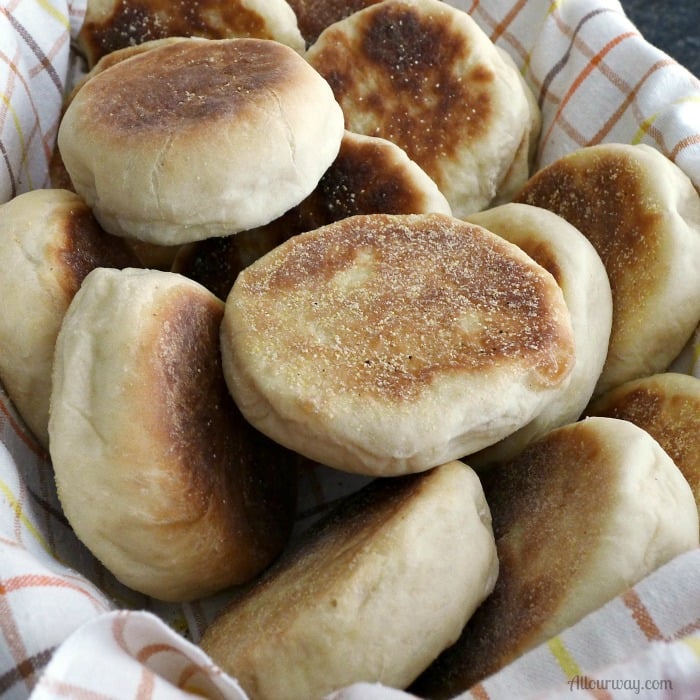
384	309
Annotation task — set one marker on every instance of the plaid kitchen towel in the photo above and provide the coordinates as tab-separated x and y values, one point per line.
35	60
596	78
69	629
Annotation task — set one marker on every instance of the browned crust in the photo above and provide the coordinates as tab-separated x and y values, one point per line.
435	297
135	22
313	16
178	86
543	254
82	245
396	70
215	466
602	193
365	178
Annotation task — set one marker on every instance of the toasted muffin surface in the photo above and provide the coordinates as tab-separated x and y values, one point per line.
367	593
157	472
385	337
195	138
423	75
313	16
642	215
111	25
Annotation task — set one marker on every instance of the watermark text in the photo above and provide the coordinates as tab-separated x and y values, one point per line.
637	685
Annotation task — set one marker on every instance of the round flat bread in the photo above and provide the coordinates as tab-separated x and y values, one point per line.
110	25
642	214
423	75
667	406
576	266
157	472
369	176
385	344
49	242
579	517
368	595
199	138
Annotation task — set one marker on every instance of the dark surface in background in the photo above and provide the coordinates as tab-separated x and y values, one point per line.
671	25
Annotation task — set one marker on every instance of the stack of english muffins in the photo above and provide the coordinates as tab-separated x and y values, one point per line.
268	246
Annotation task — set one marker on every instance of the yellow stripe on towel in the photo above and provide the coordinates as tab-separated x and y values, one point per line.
554	6
52	10
21	515
16	121
693	643
563	657
646	125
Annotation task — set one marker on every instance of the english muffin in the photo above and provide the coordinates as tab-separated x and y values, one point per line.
641	212
580	516
425	76
199	138
49	242
156	471
110	25
576	266
368	594
385	344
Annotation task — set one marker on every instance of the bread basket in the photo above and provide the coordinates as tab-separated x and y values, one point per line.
68	628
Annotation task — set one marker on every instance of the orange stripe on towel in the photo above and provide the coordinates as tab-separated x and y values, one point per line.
479	692
684	143
590	66
642	616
